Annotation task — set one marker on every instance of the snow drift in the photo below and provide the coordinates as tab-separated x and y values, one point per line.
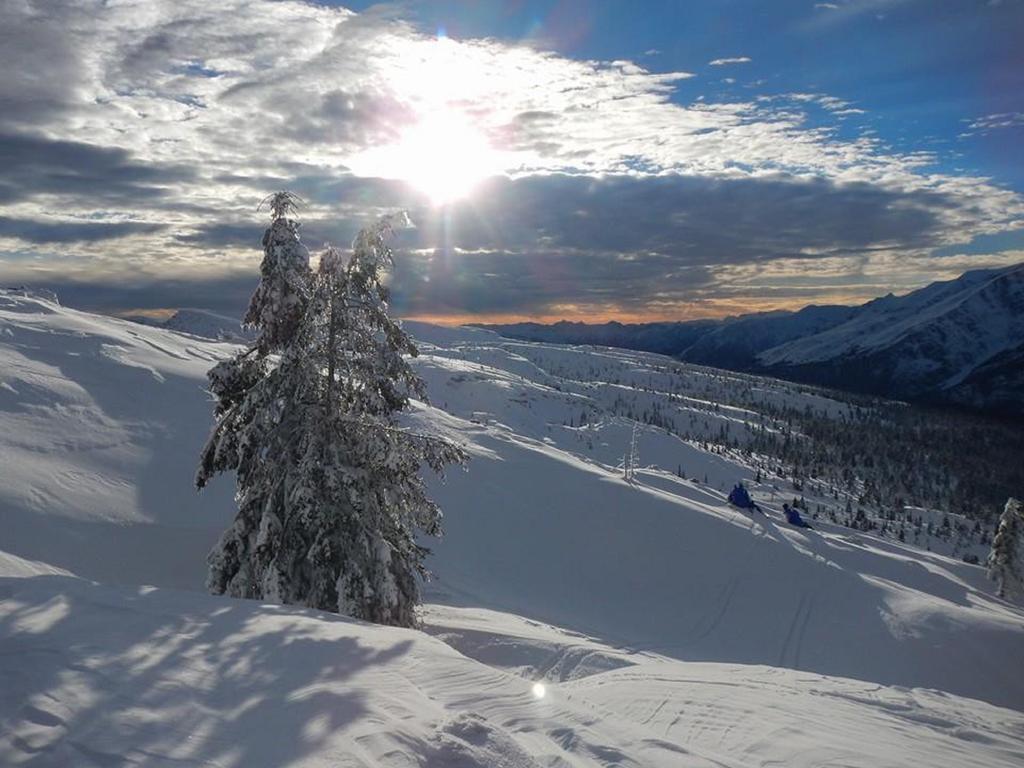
137	676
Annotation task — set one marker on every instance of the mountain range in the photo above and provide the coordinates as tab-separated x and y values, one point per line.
953	342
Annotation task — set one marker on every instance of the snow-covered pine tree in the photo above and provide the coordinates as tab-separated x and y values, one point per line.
330	498
279	302
1006	559
249	408
371	499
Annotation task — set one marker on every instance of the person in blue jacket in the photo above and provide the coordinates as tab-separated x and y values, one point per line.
740	498
793	517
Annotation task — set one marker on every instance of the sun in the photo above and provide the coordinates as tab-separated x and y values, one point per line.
442	154
444	151
444	157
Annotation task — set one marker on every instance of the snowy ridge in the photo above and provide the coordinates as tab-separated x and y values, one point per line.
210	325
199	322
101	422
956	341
737	342
926	343
978	315
669	628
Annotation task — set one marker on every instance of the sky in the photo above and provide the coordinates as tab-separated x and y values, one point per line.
559	159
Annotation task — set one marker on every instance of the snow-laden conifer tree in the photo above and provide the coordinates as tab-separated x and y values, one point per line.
279	302
1006	560
329	493
248	406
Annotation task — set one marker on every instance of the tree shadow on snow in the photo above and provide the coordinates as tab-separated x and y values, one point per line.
101	676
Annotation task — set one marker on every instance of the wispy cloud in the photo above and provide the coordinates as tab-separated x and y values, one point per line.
730	60
848	10
995	122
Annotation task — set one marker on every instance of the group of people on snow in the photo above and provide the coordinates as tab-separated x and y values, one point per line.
740	497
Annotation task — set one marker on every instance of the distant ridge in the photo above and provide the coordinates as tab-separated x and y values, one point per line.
953	342
199	322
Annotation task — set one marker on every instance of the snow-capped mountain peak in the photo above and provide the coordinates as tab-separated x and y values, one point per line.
929	340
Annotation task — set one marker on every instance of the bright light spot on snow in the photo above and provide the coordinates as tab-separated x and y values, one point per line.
539	690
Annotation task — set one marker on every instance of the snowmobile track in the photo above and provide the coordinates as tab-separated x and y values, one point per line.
795	635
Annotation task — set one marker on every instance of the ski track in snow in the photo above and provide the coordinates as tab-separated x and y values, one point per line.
668	628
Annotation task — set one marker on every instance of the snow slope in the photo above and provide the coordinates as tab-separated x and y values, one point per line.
669	628
543	526
109	676
100	423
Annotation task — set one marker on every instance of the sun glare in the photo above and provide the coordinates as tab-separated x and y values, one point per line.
444	157
444	153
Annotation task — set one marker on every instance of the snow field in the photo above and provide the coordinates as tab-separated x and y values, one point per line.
667	628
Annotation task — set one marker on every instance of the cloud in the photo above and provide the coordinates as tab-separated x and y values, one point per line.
33	166
997	121
64	231
137	139
226	294
848	10
541	245
731	60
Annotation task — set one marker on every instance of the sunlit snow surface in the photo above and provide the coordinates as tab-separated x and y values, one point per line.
662	627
